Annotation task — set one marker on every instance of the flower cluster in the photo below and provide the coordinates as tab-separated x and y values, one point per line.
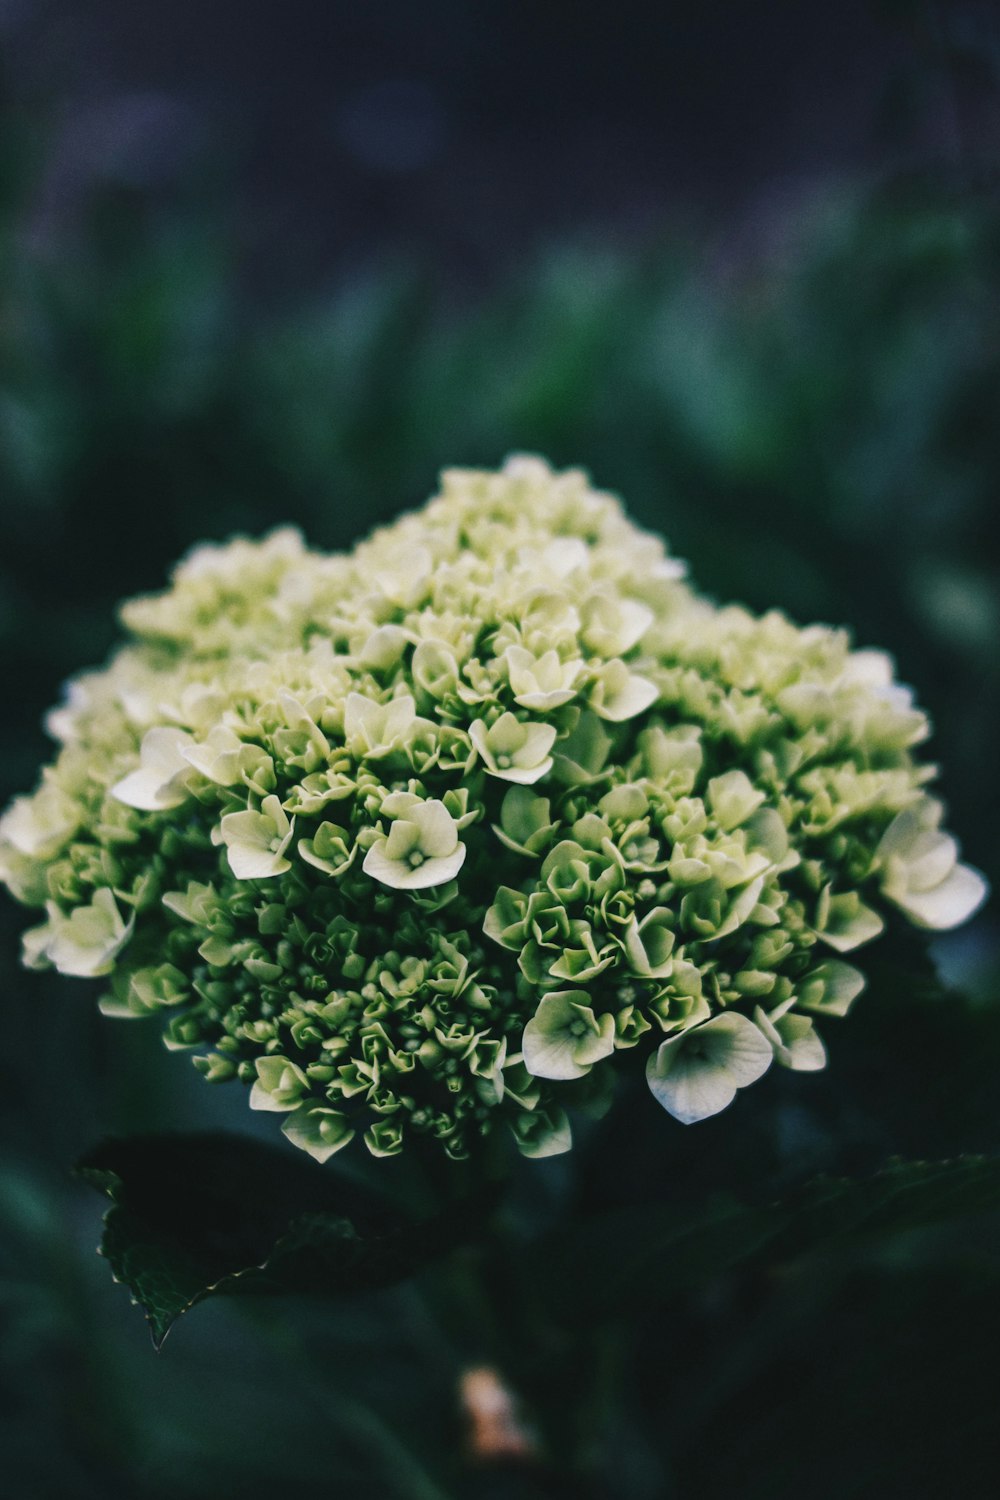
414	841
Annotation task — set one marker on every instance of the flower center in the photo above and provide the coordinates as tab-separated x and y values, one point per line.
577	1028
503	761
415	859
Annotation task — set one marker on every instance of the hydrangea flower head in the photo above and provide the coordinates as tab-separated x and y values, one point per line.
416	841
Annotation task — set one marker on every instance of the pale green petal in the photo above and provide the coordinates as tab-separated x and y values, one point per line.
948	904
403	838
595	1045
733	798
400	876
513	751
158	784
218	757
649	945
794	1040
551	1056
542	1133
741	907
581	755
830	988
524	775
564	1038
87	942
40	826
692	1091
618	694
280	1084
507	735
908	828
256	842
538	741
861	925
35	946
697	1073
438	833
479	735
318	1130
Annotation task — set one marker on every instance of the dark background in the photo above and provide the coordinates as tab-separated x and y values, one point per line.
264	263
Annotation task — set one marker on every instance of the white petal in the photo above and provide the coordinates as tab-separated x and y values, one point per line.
147	791
521	775
795	1041
401	877
564	555
907	826
842	985
634	698
692	1091
803	1048
736	1041
950	903
636	619
741	908
547	1056
930	861
542	702
438	834
863	928
248	863
697	1073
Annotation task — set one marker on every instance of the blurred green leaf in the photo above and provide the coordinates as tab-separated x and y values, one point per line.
203	1215
632	1258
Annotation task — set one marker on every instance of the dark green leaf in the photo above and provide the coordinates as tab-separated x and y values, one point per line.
194	1216
633	1257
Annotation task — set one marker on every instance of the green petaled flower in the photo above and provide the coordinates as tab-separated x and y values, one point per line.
422	848
414	841
543	1132
794	1039
541	683
256	841
513	751
564	1038
831	988
920	869
85	943
696	1074
329	850
320	1131
159	783
280	1084
40	827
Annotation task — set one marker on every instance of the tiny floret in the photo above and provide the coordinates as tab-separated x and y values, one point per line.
422	847
435	838
920	872
697	1073
158	784
565	1038
512	750
256	841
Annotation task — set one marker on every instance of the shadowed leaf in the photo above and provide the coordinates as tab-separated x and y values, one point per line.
194	1216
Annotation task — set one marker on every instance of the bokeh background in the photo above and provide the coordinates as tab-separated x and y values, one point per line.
267	263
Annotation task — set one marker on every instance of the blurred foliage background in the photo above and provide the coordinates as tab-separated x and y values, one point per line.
270	265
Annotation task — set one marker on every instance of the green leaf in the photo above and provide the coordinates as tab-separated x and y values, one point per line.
629	1258
194	1216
